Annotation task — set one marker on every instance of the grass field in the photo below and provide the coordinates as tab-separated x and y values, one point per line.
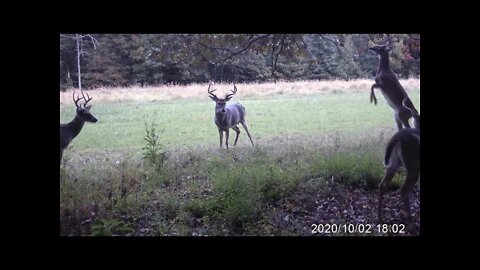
189	121
303	132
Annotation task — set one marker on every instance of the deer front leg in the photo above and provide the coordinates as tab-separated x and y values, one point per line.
226	137
220	132
372	93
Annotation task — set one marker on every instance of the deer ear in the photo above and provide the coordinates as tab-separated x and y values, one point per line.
213	98
88	107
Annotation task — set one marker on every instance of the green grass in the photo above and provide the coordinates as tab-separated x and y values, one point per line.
212	192
121	126
107	188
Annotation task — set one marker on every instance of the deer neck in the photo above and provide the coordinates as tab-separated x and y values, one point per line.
384	63
222	119
76	125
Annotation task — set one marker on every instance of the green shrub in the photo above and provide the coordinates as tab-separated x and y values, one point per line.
111	227
153	149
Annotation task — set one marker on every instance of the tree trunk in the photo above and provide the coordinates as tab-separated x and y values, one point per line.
78	62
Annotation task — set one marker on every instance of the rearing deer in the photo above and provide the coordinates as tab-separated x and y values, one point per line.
390	87
228	115
403	149
70	130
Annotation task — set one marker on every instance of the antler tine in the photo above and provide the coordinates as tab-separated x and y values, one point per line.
388	39
86	100
234	91
212	95
78	98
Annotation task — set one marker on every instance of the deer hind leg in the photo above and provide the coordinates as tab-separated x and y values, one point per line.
413	173
237	130
244	124
226	138
389	173
394	165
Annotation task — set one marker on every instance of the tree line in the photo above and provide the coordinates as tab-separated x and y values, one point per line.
152	59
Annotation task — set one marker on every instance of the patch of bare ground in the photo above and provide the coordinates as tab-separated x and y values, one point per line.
339	205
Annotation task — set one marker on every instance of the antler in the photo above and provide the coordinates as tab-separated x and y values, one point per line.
86	101
382	39
388	39
211	94
76	100
234	91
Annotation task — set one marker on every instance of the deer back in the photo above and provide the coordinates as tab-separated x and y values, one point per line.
409	141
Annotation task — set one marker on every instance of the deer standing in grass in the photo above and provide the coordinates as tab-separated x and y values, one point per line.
390	87
70	130
403	149
228	115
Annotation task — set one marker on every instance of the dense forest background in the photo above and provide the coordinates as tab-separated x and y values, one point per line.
153	59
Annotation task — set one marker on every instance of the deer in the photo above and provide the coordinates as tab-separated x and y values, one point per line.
71	130
228	116
390	87
403	150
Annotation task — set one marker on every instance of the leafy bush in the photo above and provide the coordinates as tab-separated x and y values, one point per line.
153	149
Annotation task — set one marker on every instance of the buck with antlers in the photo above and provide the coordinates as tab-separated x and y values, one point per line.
70	130
390	87
403	149
228	115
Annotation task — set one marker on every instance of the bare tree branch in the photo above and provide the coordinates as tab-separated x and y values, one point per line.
251	39
94	41
245	48
274	66
335	42
207	46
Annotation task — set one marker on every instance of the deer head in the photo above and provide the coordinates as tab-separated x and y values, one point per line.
220	103
84	112
385	48
71	130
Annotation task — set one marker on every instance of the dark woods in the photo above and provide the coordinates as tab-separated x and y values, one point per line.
152	59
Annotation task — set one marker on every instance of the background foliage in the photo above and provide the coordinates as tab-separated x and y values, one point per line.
153	59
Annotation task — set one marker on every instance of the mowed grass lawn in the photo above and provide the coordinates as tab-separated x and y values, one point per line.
189	122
